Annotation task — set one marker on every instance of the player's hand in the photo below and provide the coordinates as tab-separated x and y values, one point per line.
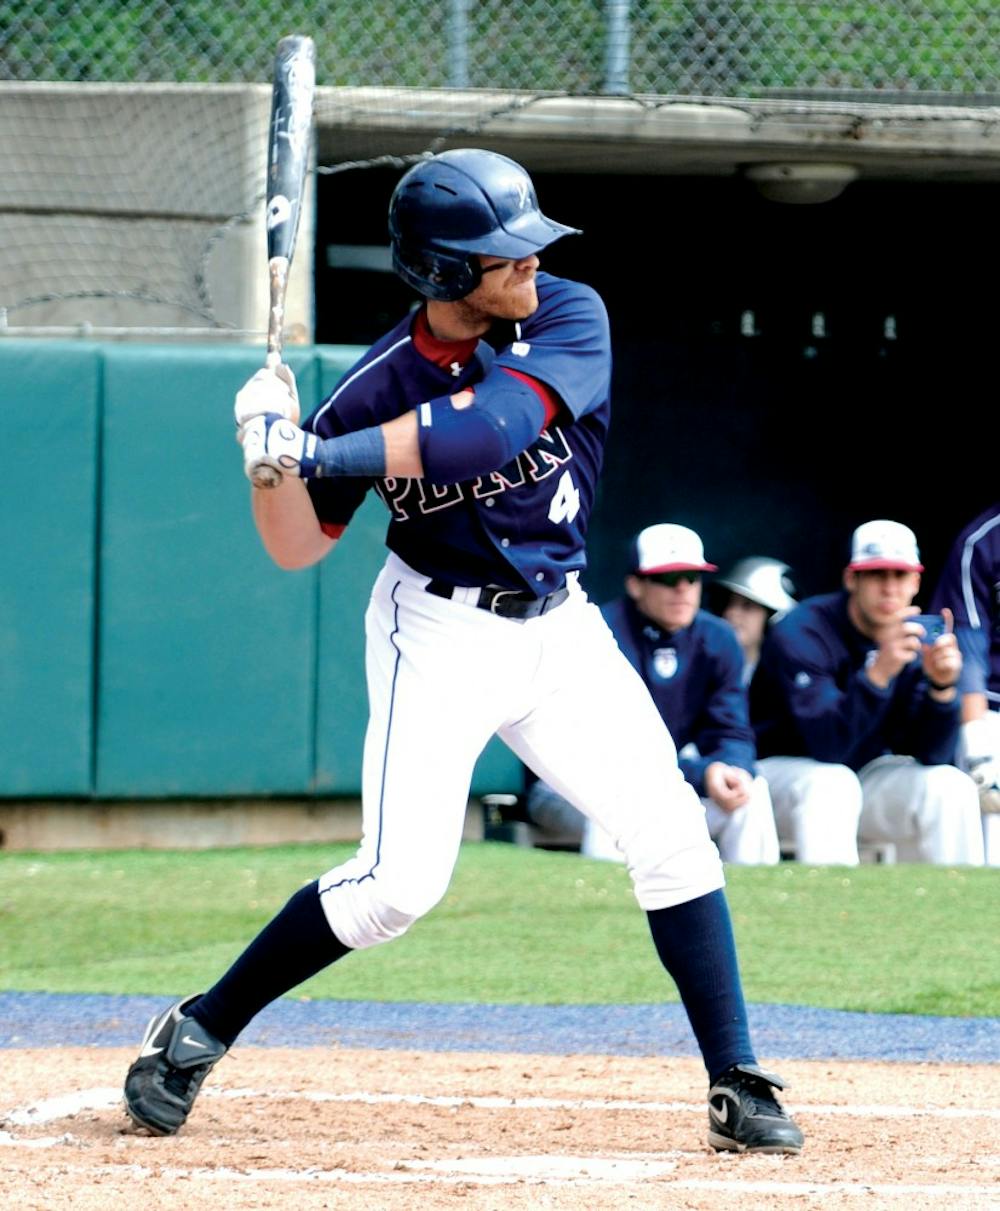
273	441
985	772
898	645
983	763
728	786
269	390
942	659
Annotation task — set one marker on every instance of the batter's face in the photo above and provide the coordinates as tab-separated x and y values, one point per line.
748	620
671	607
878	596
506	292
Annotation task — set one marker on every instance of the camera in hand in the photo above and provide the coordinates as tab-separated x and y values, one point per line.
933	625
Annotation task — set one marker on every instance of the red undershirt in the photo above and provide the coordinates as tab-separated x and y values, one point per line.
448	354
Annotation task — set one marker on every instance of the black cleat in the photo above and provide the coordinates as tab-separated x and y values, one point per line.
177	1054
745	1116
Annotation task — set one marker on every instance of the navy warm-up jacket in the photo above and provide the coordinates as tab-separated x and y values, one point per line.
695	676
810	696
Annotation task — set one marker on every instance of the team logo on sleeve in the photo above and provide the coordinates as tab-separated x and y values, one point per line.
802	680
665	662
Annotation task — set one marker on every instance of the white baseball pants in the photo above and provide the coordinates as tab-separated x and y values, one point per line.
745	837
929	812
443	677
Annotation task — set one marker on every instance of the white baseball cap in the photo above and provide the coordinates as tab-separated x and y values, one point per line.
668	548
884	544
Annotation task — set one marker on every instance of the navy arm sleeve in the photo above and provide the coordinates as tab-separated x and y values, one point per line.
506	415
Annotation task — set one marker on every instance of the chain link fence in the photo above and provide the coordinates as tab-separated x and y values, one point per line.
132	132
891	49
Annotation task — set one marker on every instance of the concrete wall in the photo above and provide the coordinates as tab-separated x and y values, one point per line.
116	195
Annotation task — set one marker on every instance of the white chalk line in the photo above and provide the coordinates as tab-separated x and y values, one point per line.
41	1141
494	1171
544	1171
67	1105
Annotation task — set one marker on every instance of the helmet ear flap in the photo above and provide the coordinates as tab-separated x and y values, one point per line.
444	276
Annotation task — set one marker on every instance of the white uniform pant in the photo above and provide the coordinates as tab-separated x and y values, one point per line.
745	837
929	812
443	677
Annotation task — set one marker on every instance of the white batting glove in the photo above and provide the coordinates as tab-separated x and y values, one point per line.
269	390
273	441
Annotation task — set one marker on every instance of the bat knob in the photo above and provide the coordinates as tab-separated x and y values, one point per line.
265	476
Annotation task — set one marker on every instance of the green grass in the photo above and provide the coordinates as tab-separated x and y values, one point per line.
516	925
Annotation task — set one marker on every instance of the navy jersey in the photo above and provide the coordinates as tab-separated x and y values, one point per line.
695	678
523	526
810	696
970	587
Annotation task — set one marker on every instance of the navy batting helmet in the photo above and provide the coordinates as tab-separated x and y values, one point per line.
450	207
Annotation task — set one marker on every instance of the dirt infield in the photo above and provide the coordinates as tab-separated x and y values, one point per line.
337	1128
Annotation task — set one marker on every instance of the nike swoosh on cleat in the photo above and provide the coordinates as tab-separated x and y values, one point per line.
193	1042
723	1114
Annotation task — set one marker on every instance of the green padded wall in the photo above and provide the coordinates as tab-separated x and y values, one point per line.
148	646
206	649
49	407
345	581
497	770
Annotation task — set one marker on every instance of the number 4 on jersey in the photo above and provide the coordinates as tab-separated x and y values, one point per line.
566	501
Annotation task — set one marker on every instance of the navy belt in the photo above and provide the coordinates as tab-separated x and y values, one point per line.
505	603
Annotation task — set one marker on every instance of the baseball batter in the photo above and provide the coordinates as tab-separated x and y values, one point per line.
480	421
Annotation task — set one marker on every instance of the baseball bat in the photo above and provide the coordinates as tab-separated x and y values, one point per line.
287	153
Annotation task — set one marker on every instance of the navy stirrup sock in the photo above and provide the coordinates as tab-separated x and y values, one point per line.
295	945
695	944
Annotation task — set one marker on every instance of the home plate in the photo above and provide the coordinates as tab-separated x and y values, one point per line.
551	1168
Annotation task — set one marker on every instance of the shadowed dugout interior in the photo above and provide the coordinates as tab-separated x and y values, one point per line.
783	372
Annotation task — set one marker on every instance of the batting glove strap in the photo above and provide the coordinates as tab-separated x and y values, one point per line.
273	441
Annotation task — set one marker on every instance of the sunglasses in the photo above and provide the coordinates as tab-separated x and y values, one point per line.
672	579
